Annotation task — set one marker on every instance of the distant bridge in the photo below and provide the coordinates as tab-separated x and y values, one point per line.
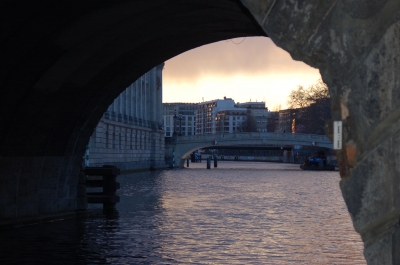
185	145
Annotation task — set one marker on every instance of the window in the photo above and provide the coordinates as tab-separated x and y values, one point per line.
140	139
107	140
136	139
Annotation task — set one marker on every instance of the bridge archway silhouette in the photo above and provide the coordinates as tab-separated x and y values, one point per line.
63	62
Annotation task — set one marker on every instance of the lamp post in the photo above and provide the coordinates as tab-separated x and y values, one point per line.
174	136
180	124
174	133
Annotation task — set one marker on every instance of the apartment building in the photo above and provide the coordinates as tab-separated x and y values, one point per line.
179	118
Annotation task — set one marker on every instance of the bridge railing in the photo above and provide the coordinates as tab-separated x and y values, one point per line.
252	135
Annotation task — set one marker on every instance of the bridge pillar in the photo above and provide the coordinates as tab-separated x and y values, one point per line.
39	186
288	156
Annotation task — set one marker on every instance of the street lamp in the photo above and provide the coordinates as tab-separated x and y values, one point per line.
174	133
180	124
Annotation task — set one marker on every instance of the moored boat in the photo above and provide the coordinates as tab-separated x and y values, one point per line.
317	162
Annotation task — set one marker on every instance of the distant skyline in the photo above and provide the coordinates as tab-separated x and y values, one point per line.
254	70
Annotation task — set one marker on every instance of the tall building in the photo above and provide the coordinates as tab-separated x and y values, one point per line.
288	120
206	116
224	116
179	118
130	135
231	120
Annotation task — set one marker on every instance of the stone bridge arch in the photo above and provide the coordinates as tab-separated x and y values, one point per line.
63	62
185	145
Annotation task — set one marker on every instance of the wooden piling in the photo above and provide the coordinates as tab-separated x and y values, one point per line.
107	180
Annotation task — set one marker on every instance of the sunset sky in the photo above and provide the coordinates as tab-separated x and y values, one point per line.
253	70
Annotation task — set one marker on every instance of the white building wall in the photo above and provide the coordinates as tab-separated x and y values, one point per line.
129	135
188	112
207	112
186	128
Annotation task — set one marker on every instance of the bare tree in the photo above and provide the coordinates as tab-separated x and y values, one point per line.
302	97
317	91
315	104
277	108
298	98
249	125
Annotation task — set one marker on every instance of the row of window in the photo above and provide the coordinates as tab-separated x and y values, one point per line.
115	140
168	129
137	141
183	133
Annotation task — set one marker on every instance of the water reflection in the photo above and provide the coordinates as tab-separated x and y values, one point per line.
236	214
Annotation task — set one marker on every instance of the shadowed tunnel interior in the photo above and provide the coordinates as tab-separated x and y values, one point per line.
64	62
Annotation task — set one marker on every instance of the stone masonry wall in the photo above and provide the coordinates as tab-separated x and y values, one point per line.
355	45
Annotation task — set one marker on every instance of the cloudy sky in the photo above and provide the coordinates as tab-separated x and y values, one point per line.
254	70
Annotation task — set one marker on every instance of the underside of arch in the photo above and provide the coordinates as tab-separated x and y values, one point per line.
64	62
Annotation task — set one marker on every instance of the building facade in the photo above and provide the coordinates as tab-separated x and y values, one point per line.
287	120
259	114
130	134
310	119
273	121
224	116
179	118
231	121
206	115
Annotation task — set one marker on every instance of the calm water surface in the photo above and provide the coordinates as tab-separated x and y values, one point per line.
239	213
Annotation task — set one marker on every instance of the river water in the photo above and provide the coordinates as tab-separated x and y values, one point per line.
238	213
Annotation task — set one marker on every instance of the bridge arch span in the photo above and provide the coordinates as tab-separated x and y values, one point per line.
185	145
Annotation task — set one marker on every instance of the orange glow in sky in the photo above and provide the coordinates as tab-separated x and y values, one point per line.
254	70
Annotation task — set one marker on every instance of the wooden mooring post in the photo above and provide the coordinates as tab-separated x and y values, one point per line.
107	180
